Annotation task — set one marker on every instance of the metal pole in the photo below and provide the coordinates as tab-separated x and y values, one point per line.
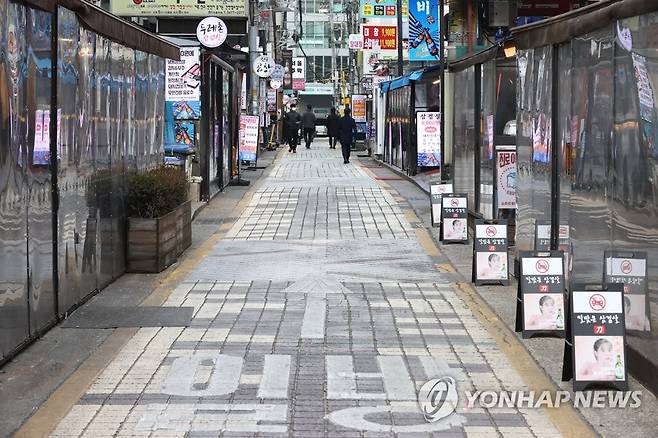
399	35
334	67
253	54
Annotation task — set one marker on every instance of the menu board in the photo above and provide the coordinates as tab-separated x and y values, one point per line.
490	257
437	190
595	347
540	294
630	270
454	218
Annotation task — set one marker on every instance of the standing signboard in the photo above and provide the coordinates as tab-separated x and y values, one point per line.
505	177
428	139
298	73
630	269
424	34
540	294
490	258
437	190
595	344
359	108
248	147
384	37
454	218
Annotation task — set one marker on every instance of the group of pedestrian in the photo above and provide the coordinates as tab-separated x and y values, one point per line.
338	128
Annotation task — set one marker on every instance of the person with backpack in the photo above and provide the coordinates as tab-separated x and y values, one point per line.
292	122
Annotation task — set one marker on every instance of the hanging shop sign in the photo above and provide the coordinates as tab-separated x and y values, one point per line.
454	218
271	100
355	41
366	83
384	37
424	35
595	348
359	108
437	190
211	32
381	8
630	270
264	66
540	294
183	78
286	61
275	85
490	258
179	8
644	90
506	177
248	146
278	72
298	73
428	139
376	80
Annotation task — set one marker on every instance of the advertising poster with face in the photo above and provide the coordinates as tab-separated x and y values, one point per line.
454	218
598	330
436	193
541	304
490	260
630	270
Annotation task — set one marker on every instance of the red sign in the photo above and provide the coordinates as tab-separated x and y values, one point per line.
298	84
599	330
542	266
597	302
384	36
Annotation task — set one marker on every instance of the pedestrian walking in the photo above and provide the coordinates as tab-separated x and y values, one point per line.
332	128
346	131
292	122
308	124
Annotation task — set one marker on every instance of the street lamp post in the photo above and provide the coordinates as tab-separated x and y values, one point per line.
329	8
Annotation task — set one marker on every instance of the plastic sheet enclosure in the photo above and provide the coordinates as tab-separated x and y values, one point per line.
464	134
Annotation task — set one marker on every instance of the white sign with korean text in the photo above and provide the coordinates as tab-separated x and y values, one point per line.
264	66
211	32
356	41
183	78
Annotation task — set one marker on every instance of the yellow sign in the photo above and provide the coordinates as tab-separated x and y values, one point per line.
179	8
346	100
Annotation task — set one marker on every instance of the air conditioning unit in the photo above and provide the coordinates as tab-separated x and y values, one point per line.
502	13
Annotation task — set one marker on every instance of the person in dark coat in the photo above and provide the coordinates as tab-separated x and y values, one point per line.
332	128
346	131
292	122
308	124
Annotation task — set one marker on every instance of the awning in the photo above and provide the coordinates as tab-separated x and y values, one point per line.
405	80
476	58
565	27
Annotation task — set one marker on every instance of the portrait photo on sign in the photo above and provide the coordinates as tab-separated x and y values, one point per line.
455	229
599	358
491	265
636	312
543	311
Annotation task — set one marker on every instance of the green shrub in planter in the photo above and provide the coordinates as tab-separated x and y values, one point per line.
157	192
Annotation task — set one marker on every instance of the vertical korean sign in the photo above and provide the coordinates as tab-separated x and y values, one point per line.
286	61
359	108
506	178
424	33
248	137
298	73
428	137
182	98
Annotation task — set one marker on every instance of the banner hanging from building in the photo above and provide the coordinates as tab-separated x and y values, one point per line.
298	73
382	37
180	8
381	8
424	35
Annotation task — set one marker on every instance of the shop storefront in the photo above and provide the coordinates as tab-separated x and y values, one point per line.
588	158
81	104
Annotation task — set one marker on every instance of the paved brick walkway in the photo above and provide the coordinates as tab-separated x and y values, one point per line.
318	314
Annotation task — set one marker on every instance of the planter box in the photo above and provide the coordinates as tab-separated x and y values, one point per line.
154	244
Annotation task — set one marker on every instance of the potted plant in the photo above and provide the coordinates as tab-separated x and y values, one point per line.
159	219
